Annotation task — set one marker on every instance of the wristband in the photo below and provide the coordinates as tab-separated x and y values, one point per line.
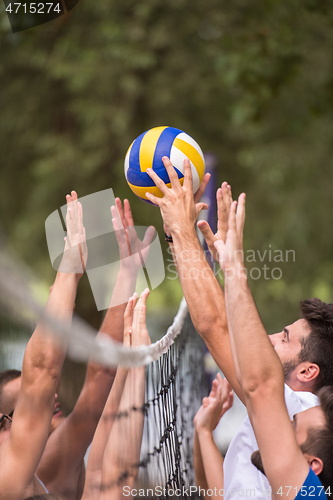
168	238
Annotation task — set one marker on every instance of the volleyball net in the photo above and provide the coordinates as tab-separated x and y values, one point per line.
161	423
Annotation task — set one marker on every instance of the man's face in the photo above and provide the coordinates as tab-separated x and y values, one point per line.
10	394
302	422
287	344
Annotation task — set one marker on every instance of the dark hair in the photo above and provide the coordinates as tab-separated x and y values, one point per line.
5	377
319	439
317	347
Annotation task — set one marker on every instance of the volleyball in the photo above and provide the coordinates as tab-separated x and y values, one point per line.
147	152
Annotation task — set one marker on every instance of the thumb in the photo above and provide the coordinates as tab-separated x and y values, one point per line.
207	233
200	206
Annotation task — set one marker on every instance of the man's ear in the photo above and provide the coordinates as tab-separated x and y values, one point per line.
315	463
306	371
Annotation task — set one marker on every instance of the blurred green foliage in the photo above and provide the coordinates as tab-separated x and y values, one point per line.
251	81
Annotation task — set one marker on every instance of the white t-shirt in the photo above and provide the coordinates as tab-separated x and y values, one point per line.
242	480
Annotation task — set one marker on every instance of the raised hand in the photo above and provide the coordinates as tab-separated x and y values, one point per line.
128	241
214	406
224	200
135	328
140	335
128	319
197	197
177	206
75	253
231	252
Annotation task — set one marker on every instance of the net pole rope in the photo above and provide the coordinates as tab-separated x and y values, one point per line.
80	337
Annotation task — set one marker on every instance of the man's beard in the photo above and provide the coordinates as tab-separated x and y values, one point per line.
257	462
289	367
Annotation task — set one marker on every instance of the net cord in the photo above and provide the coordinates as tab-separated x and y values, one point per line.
81	340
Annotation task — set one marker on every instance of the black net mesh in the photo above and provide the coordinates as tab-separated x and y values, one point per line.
175	386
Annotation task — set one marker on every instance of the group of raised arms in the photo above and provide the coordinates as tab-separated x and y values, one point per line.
42	451
283	449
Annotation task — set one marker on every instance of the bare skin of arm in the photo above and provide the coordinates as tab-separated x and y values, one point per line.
197	198
122	451
21	451
203	294
117	442
62	467
93	480
208	461
262	378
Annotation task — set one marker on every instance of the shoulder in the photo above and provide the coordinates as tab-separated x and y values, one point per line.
298	401
311	487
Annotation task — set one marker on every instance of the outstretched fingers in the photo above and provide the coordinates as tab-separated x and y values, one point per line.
75	204
120	212
140	332
118	215
208	234
158	181
227	196
175	183
174	180
232	217
142	306
188	177
227	396
128	318
223	209
128	213
213	390
202	187
74	220
240	215
121	233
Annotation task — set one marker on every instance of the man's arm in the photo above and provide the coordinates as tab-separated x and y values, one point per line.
133	252
122	451
208	461
43	359
203	294
73	436
93	480
260	370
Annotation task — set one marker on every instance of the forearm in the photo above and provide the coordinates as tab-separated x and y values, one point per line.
105	424
248	337
122	453
199	470
42	364
205	300
113	323
202	291
44	350
99	379
212	461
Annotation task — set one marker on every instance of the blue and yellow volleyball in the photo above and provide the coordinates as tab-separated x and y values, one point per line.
148	150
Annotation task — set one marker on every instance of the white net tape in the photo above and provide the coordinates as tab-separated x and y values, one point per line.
18	297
